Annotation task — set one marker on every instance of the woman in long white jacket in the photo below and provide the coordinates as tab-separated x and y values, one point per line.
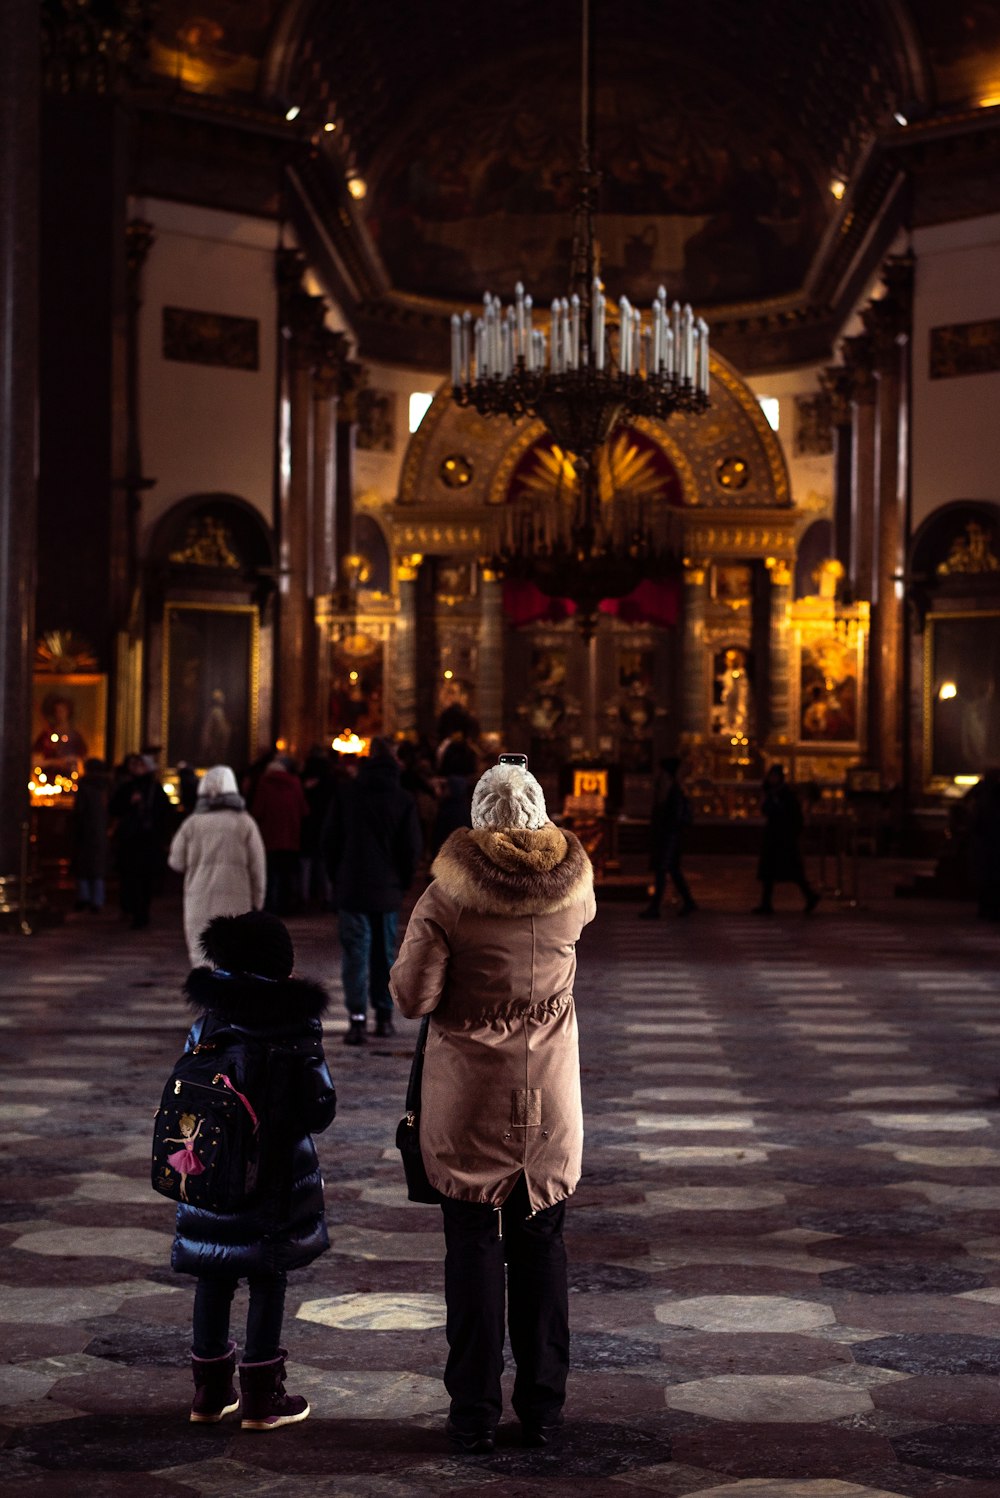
220	852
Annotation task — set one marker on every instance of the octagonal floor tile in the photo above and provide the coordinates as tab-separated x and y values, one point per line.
744	1313
778	1398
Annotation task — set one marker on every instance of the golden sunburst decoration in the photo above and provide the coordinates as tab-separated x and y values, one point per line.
62	652
624	469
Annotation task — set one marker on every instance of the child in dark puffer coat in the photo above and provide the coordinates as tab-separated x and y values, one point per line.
250	988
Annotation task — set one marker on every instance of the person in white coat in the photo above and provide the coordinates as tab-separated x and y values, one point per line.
220	852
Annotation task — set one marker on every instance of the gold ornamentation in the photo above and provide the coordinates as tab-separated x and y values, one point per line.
62	652
456	471
971	553
207	544
732	473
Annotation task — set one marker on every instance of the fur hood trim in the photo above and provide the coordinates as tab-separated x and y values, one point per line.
241	999
515	872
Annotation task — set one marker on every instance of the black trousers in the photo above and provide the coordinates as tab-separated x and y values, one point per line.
213	1301
480	1242
671	870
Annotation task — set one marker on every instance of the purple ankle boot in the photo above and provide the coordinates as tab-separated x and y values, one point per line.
214	1392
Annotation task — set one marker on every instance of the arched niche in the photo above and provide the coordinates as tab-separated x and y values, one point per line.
210	570
212	540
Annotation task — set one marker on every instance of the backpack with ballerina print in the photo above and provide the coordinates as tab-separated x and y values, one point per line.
207	1133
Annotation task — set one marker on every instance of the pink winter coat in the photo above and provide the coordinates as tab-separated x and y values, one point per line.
490	952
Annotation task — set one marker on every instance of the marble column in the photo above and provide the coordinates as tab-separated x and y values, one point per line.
297	708
779	707
838	384
888	322
326	377
859	360
491	653
19	106
403	698
326	390
351	379
695	664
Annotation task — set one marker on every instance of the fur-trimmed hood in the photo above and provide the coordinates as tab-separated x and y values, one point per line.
515	872
257	1003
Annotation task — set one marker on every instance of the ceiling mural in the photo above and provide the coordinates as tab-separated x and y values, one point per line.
711	196
212	47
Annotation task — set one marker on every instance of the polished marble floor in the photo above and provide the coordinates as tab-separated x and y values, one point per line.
785	1251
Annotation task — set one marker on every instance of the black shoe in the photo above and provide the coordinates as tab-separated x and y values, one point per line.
384	1027
541	1433
688	909
651	913
356	1032
811	903
470	1442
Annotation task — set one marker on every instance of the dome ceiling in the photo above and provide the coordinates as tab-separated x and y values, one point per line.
720	131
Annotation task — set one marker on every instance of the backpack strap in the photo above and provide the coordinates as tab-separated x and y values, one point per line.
221	1077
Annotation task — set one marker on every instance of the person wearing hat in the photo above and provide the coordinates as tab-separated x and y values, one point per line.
372	843
220	852
490	954
250	986
671	814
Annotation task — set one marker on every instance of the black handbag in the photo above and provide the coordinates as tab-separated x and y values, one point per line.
418	1187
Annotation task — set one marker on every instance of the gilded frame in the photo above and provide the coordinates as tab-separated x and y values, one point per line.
176	736
936	778
849	637
87	694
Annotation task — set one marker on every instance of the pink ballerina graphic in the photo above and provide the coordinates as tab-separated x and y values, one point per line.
185	1161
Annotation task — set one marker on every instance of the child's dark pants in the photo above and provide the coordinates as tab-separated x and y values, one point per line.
213	1301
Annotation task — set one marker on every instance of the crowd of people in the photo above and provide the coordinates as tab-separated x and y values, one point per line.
341	833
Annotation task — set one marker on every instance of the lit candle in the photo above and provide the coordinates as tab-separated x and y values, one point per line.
675	318
556	365
519	300
668	351
600	306
456	349
575	338
703	356
480	348
625	336
688	322
657	338
466	371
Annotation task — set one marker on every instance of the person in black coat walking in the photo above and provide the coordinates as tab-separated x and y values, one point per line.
671	814
90	835
142	813
780	854
372	844
250	990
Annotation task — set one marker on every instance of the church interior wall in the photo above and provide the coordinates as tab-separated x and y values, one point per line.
208	427
805	435
956	438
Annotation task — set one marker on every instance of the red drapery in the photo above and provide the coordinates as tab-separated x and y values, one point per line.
650	603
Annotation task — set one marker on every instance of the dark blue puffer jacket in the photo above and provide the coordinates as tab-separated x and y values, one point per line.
285	1226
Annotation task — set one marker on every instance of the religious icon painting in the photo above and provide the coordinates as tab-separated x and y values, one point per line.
210	668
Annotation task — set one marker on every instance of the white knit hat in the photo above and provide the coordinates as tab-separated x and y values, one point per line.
218	781
507	796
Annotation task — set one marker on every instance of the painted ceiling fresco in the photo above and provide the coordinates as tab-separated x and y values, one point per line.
713	199
213	47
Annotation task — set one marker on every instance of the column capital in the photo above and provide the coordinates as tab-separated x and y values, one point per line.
837	384
331	357
859	358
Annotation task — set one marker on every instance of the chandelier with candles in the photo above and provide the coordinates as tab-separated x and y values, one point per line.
590	370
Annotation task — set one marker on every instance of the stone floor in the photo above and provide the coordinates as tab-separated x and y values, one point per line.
785	1249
